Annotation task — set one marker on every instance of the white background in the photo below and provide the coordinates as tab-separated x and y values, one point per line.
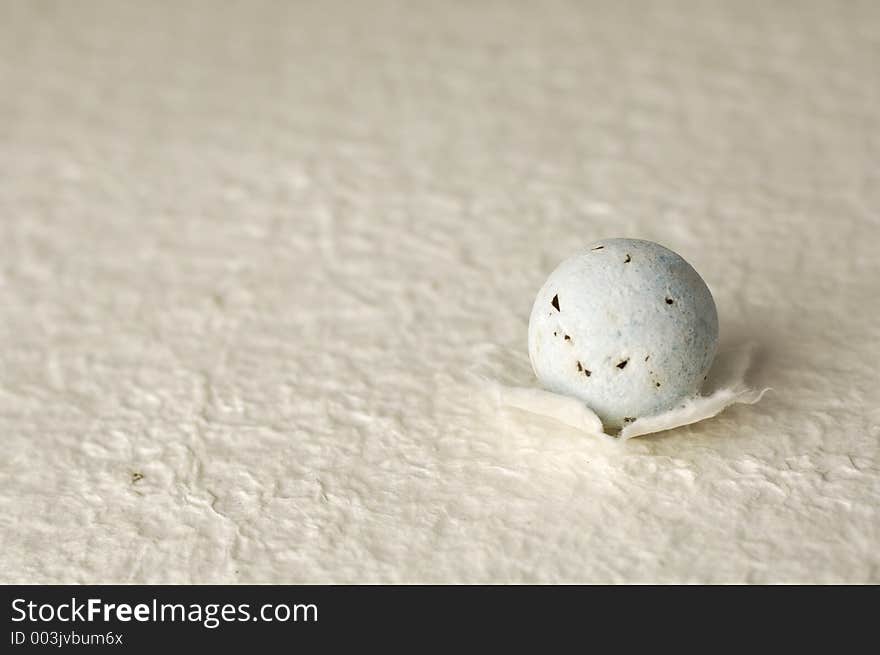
255	256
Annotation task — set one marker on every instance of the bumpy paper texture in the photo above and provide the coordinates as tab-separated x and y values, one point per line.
726	386
248	257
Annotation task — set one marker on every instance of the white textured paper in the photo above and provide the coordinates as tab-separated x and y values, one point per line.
255	261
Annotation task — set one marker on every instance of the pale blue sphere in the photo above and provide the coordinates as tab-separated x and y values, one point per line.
625	325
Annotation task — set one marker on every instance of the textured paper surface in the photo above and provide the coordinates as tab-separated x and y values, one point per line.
254	259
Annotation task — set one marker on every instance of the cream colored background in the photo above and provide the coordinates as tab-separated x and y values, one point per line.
257	252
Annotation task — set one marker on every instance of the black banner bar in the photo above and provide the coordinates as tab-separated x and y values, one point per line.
144	618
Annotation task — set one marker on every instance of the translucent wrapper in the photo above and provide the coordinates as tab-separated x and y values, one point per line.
726	386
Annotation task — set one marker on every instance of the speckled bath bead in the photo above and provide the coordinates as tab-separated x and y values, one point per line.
625	325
